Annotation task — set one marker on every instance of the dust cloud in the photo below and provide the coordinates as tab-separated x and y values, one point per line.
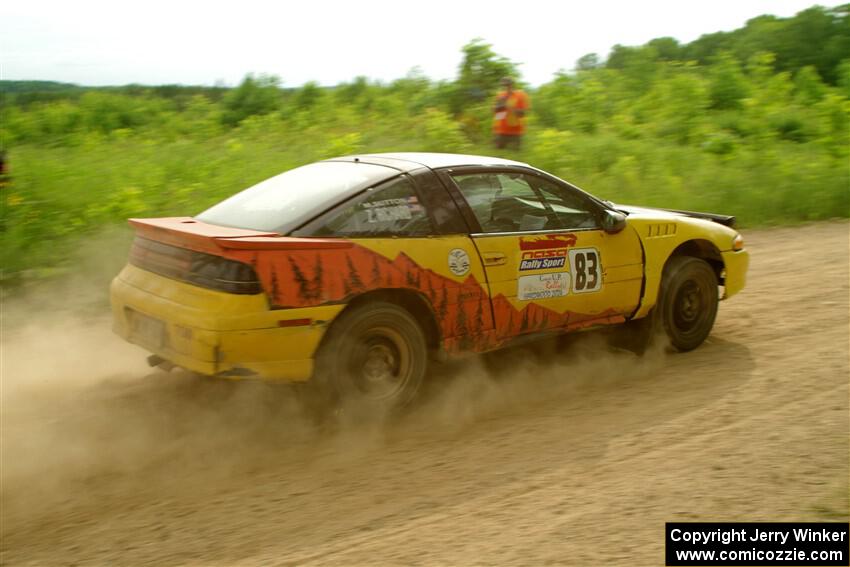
517	379
81	408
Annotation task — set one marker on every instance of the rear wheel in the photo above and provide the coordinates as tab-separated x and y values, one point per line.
375	355
688	300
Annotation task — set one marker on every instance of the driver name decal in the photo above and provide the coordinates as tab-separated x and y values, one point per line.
388	210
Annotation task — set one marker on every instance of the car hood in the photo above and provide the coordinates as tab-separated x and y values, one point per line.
725	220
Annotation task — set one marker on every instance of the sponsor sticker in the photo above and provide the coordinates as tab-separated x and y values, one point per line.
543	286
527	264
547	241
546	252
459	261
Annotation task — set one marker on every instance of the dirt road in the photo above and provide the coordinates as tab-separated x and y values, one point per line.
570	458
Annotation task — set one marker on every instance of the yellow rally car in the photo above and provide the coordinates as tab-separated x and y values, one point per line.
355	271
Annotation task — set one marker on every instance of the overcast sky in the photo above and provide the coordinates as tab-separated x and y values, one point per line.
94	42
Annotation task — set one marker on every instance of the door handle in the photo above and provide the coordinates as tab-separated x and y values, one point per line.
494	258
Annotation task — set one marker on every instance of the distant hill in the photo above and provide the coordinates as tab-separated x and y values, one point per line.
27	92
36	87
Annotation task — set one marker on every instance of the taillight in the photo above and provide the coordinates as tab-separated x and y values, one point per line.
205	270
219	273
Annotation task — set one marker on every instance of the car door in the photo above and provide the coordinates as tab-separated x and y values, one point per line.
549	264
407	234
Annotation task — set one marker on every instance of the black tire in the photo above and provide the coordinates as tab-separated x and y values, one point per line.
375	355
687	304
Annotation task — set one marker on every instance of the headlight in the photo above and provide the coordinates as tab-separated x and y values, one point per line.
738	242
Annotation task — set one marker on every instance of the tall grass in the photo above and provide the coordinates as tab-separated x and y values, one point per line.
58	195
777	152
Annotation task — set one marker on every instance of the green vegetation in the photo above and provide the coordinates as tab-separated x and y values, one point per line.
754	122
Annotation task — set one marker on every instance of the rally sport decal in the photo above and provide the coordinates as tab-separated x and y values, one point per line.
546	252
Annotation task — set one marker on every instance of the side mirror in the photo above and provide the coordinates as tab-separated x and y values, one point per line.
613	221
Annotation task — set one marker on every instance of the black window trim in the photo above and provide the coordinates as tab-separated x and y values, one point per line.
445	174
434	195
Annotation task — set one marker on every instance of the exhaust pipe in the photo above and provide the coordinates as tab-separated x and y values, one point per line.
159	362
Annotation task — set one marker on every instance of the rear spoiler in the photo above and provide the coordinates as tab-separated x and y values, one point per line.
186	232
725	220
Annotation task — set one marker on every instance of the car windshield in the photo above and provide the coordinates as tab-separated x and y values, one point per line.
286	201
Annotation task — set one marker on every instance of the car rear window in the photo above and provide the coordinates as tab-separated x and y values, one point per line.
286	201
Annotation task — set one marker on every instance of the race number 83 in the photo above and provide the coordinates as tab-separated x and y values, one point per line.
586	270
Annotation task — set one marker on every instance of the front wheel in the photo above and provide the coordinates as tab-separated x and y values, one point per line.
375	354
687	305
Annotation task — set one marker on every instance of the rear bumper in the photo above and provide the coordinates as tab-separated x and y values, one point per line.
735	265
216	333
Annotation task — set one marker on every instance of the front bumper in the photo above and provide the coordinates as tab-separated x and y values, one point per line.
216	333
735	265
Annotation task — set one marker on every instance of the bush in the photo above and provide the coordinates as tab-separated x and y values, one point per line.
252	97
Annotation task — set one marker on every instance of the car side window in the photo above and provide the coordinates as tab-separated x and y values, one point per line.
390	209
505	202
570	208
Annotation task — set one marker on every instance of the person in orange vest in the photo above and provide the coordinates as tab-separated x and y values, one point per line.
5	178
509	115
